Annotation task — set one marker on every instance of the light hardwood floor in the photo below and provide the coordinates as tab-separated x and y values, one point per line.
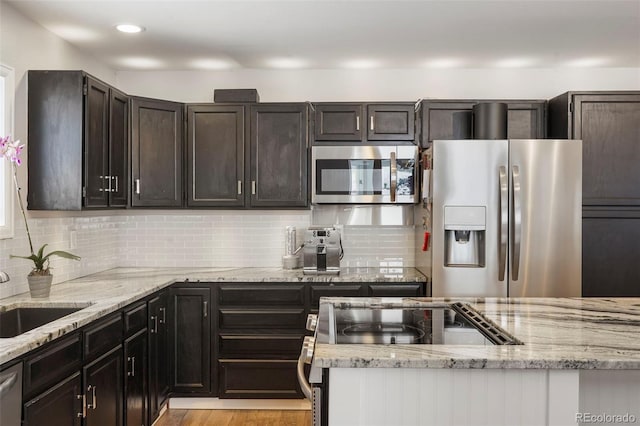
235	418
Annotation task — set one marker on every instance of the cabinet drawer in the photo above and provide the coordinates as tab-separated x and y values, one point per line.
102	336
279	345
396	290
328	290
247	295
258	379
135	319
52	363
262	318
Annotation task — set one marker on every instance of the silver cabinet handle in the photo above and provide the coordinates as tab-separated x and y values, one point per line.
503	232
239	187
163	320
128	372
205	309
517	222
155	324
253	187
116	179
137	186
133	366
394	177
358	123
371	119
83	413
94	401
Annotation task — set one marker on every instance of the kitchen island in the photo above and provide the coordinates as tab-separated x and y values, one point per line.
579	363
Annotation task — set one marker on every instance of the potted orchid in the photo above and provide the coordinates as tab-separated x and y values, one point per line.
40	277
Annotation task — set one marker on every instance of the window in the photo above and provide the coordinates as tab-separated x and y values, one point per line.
7	91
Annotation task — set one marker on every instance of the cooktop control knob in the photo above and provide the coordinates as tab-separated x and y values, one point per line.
308	345
312	322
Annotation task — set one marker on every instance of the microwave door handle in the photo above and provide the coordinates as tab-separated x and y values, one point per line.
503	235
394	177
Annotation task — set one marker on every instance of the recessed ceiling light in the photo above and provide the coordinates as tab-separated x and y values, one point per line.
290	63
515	63
141	62
361	64
588	62
443	63
129	28
212	64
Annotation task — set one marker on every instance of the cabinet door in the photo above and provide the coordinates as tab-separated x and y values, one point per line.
215	152
135	379
390	122
118	149
610	253
96	144
60	405
278	172
610	133
156	153
338	122
191	338
158	354
446	120
104	389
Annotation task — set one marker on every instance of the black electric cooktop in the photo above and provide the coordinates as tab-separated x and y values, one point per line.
455	324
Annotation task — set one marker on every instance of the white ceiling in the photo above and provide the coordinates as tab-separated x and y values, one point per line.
216	34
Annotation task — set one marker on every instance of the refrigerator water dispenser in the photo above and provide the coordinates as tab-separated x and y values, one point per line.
464	236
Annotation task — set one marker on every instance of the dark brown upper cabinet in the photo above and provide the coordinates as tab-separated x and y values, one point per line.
215	155
78	142
390	122
241	155
156	153
339	122
347	122
453	119
278	155
607	123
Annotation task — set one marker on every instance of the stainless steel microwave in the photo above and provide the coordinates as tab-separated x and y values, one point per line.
361	174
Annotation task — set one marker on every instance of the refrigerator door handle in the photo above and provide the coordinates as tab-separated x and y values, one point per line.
503	232
517	223
394	176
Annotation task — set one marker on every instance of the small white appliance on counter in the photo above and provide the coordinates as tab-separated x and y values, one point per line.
322	251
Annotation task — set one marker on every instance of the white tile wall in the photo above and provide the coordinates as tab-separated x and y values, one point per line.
188	239
97	244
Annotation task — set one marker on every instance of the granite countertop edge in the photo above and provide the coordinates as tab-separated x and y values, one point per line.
105	292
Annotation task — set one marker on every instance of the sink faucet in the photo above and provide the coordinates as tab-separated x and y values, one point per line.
4	277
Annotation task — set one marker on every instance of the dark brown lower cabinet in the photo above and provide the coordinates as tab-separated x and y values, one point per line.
158	353
135	379
57	406
396	290
191	340
610	253
247	378
103	386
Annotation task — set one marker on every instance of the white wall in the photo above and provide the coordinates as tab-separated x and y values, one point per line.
26	45
378	85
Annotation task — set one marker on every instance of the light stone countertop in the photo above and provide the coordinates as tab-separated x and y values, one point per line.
580	333
105	292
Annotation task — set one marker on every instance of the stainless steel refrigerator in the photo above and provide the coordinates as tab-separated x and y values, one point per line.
506	218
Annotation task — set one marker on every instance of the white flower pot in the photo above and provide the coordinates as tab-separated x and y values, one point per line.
39	285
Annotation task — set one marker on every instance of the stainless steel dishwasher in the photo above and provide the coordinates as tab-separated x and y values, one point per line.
11	396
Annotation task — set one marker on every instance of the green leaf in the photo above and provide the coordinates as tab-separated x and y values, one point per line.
61	253
32	257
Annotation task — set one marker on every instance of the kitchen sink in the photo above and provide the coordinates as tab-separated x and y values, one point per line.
20	320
